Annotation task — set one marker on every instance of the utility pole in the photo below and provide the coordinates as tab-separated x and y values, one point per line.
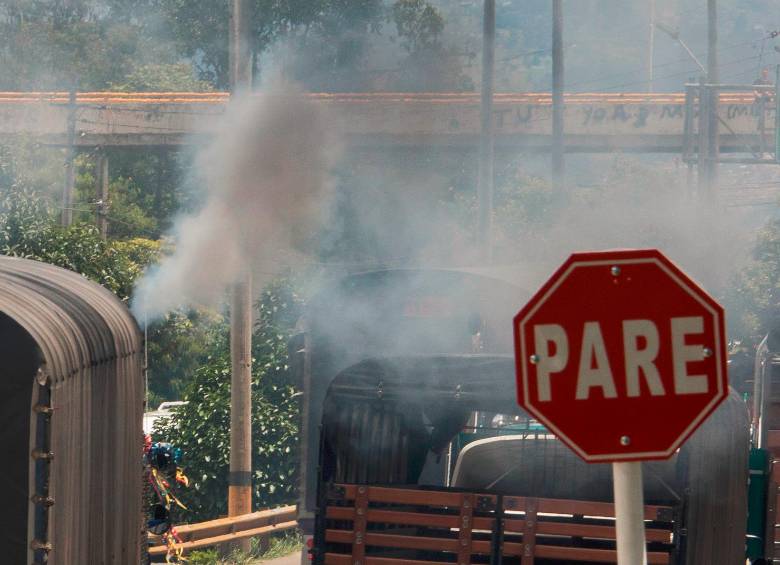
101	196
557	96
702	164
713	143
486	143
651	48
240	54
777	109
66	217
240	477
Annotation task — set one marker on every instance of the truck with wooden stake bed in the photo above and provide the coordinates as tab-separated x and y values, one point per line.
414	450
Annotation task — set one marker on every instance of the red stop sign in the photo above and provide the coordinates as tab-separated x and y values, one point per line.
621	355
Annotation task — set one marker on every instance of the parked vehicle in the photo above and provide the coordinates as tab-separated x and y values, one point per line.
164	410
71	403
414	450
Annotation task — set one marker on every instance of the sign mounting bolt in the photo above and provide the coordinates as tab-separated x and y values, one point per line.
625	441
615	270
534	359
706	352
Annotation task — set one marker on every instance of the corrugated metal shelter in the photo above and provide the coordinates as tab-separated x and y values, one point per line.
71	408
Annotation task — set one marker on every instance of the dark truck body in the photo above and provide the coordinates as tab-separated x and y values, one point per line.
415	451
760	382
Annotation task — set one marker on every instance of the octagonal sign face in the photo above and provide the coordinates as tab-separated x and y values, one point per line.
621	355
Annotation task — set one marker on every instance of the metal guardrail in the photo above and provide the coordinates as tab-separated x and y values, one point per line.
225	530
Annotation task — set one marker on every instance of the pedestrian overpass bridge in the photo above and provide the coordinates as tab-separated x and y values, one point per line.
594	122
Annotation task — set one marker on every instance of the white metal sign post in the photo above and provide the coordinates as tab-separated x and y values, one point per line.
629	513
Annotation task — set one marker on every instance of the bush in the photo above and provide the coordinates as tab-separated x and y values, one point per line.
202	427
28	229
753	301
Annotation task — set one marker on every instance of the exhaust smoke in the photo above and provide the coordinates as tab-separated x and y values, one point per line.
265	174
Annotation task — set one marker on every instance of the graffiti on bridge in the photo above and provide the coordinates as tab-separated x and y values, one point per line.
636	116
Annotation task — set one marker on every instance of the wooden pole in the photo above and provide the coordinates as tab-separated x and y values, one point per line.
101	196
713	142
702	163
690	94
66	217
777	109
557	96
486	144
651	48
240	55
240	476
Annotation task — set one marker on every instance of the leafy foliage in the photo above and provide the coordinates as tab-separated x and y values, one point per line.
28	229
754	299
201	428
84	43
147	188
429	65
162	77
178	345
201	31
418	23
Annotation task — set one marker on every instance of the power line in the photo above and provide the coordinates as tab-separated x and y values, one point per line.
110	107
135	126
661	65
683	73
112	219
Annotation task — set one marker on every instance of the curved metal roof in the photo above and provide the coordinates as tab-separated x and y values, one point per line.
76	323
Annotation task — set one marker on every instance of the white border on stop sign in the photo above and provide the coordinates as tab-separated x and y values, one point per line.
717	350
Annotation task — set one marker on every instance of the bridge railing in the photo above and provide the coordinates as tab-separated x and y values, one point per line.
699	144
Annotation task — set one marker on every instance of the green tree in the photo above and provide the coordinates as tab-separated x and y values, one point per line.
178	346
754	299
201	428
87	44
26	232
162	77
28	228
419	24
332	33
147	188
427	65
